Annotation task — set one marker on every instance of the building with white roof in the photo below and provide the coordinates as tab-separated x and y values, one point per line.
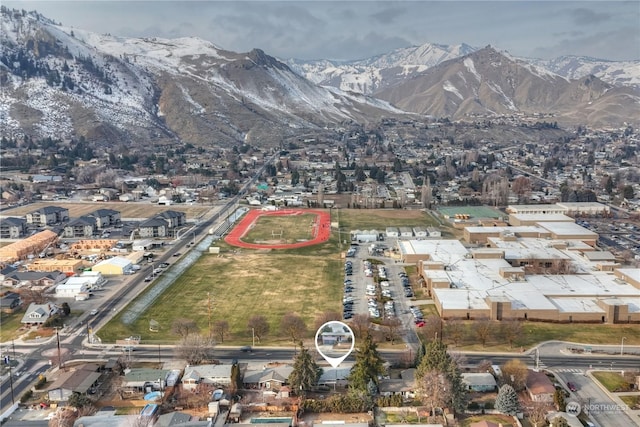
114	266
525	278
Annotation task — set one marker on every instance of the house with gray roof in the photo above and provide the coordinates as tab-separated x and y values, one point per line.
154	227
139	379
33	279
479	381
80	227
174	218
105	217
12	228
218	375
37	314
48	215
79	380
271	378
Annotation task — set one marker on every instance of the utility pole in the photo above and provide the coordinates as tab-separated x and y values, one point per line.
11	384
60	364
159	359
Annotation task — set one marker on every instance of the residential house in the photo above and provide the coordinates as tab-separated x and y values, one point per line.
173	218
48	215
142	379
105	218
12	228
539	387
479	381
80	227
37	280
270	378
37	314
154	227
405	385
214	375
79	380
181	419
10	302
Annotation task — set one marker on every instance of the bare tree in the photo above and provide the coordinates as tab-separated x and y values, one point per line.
434	390
522	187
455	330
484	366
511	329
482	328
391	329
30	295
195	349
184	327
360	325
327	316
432	327
258	326
221	329
537	413
514	373
293	326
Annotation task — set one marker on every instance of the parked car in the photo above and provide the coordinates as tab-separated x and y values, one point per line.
93	312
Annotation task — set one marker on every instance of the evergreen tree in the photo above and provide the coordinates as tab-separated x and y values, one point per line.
367	367
437	359
507	400
306	372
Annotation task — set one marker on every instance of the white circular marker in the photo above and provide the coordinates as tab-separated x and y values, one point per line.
335	342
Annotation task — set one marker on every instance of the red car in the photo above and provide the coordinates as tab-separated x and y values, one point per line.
572	386
420	323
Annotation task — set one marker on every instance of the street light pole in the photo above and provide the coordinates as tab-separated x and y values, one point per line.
11	385
621	346
253	337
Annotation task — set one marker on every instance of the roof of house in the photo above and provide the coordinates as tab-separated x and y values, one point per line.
49	210
208	371
279	373
171	214
44	310
104	212
145	374
539	383
479	378
172	419
83	220
78	381
154	222
13	221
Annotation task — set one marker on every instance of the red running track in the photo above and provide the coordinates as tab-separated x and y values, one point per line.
321	229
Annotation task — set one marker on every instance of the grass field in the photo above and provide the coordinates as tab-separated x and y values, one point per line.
537	332
127	210
10	325
241	285
612	381
293	228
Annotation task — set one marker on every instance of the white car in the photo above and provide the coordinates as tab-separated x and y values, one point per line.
93	312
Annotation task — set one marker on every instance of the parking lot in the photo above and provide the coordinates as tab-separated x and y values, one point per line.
377	286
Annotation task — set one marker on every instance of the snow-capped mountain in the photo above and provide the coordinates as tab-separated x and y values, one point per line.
617	73
487	82
61	81
370	75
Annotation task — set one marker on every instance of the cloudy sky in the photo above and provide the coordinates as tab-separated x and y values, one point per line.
318	29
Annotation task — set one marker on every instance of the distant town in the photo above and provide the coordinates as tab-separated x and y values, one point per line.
488	270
